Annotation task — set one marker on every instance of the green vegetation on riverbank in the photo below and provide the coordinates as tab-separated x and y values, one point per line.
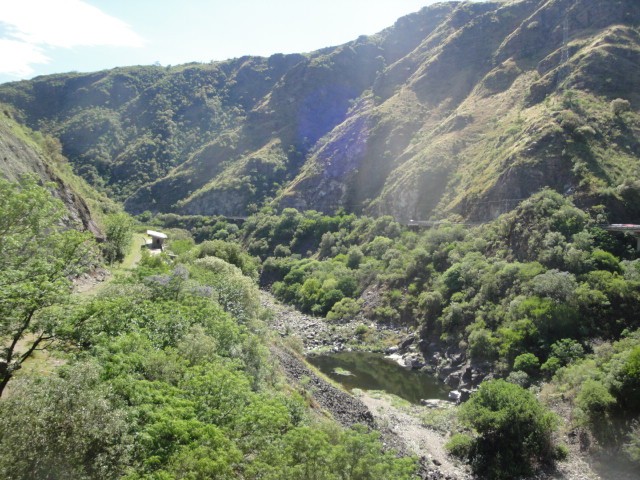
167	375
542	295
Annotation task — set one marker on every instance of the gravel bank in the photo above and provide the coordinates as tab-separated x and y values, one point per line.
318	335
345	408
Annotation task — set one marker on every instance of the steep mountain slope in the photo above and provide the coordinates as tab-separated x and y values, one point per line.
513	98
25	152
462	108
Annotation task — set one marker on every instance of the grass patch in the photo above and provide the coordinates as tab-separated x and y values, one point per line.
443	420
343	372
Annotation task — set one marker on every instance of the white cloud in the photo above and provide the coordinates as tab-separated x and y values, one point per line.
17	57
30	26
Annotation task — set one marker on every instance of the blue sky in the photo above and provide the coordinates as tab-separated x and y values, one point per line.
47	36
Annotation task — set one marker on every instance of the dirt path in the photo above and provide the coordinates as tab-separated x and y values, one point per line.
91	283
45	361
402	425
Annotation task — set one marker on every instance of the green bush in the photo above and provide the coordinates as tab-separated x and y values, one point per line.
562	452
482	344
118	232
620	105
231	253
551	366
567	351
605	261
594	400
354	257
514	430
626	378
518	377
345	309
361	329
632	447
527	362
181	246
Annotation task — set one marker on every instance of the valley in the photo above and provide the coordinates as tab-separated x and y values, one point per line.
413	255
456	110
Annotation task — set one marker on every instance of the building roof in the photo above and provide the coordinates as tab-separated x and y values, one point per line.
155	234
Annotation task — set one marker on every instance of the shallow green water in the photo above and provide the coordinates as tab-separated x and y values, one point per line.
371	371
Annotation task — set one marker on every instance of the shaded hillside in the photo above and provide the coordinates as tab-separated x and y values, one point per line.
462	108
23	151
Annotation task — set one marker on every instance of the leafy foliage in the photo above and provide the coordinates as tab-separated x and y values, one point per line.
170	377
37	258
514	430
118	232
530	293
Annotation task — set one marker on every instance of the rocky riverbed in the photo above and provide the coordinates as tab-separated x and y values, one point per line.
399	431
400	424
345	408
318	335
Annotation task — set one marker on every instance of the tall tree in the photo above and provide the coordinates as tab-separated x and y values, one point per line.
119	232
38	257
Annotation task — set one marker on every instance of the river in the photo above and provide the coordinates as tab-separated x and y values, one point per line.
372	371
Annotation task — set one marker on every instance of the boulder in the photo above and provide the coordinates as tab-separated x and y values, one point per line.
413	360
434	403
465	393
453	379
407	341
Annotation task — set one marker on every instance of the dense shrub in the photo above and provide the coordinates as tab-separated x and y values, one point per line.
172	378
527	362
231	253
514	430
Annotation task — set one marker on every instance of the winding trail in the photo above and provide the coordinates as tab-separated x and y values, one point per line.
92	282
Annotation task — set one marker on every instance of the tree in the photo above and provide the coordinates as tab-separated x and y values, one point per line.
514	430
38	255
64	426
119	232
620	105
527	362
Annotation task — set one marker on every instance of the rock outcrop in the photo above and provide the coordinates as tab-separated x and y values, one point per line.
19	155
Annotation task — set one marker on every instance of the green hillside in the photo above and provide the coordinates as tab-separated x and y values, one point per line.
462	108
27	152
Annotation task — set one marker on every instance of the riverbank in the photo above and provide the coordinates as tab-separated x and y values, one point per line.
319	336
399	431
344	408
401	423
412	430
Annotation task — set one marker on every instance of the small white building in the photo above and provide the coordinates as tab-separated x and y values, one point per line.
157	240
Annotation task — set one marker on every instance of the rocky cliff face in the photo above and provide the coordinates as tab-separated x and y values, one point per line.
20	155
460	109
